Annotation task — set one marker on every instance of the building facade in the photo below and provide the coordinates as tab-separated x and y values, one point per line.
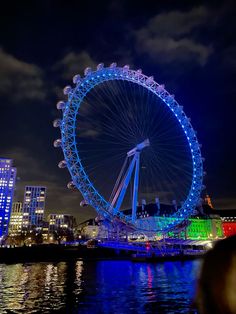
229	226
89	229
61	221
16	220
204	229
7	186
228	218
33	207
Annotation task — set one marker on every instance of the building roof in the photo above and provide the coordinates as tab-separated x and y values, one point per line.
221	212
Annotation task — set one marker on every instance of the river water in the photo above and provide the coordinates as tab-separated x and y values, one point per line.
115	287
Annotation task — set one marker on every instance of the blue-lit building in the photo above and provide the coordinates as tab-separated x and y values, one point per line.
7	185
33	207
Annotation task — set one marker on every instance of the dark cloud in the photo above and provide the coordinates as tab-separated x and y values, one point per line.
225	203
167	50
168	38
176	23
29	166
89	133
34	171
20	80
74	63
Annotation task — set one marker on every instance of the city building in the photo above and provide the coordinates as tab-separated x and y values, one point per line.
45	231
7	185
202	228
61	228
61	221
228	217
89	229
16	220
33	207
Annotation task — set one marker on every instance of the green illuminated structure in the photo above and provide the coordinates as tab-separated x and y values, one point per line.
204	229
199	229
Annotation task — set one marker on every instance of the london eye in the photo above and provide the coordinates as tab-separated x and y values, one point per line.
126	141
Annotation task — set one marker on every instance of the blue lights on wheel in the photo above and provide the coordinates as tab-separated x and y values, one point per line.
79	177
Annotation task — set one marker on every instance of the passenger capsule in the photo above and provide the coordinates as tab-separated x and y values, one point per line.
71	185
61	105
160	88
170	99
62	164
113	65
150	79
100	66
67	90
76	79
126	67
87	71
57	123
98	219
83	203
57	143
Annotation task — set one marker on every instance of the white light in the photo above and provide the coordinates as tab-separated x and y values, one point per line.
209	245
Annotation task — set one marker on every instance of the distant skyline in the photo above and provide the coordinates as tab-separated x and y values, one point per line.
189	46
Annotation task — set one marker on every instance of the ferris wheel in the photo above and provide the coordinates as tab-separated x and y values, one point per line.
126	141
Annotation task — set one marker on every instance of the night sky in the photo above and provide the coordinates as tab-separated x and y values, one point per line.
188	46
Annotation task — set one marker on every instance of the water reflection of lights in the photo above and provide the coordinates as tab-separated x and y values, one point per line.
78	281
151	295
100	287
55	277
14	279
48	279
150	276
33	287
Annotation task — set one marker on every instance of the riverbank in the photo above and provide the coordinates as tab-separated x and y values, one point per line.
46	253
55	253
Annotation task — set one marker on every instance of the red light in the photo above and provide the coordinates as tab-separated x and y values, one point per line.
148	246
229	228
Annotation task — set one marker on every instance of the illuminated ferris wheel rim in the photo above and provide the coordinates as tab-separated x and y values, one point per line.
72	160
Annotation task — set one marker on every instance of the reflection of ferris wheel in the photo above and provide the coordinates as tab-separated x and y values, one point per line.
125	134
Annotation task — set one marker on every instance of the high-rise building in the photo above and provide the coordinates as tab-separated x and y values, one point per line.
16	220
33	208
7	185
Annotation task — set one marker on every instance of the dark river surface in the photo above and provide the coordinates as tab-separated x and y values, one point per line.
98	287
